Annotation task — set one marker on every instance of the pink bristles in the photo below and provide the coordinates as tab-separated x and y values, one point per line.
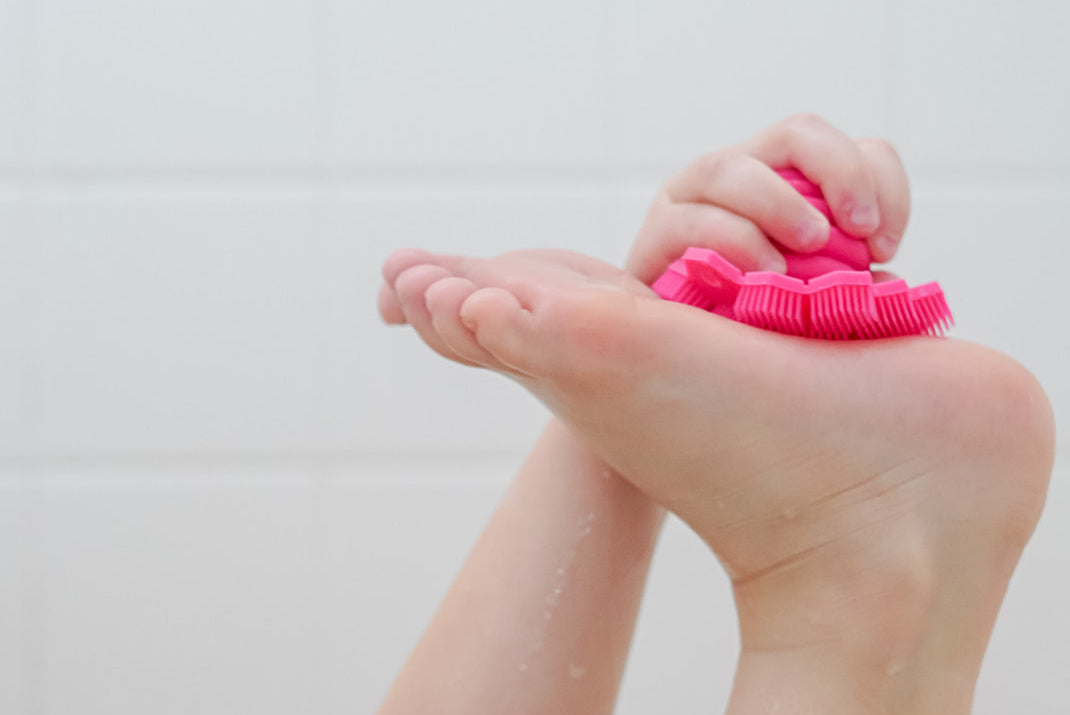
828	293
717	275
842	305
896	316
774	302
675	285
929	302
839	305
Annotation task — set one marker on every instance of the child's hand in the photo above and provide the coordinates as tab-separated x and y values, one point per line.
733	201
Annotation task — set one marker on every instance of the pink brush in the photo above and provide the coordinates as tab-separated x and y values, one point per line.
828	294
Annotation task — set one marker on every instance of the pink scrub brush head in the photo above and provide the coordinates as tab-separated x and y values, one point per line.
828	294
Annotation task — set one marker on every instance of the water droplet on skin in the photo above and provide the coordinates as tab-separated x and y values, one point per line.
894	668
522	667
560	572
547	615
789	513
576	671
587	531
720	503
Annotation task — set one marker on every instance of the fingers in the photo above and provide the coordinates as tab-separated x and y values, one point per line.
893	195
734	202
671	230
744	185
830	159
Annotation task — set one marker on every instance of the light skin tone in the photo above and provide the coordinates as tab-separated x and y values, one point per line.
868	500
540	617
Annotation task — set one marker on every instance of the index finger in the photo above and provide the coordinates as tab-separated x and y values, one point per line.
830	159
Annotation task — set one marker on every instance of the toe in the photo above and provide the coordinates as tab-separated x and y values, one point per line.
403	259
390	309
411	288
501	326
444	299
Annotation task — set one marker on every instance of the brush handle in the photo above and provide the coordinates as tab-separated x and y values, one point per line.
843	252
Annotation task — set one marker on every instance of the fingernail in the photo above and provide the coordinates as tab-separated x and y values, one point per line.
865	217
812	233
885	247
774	263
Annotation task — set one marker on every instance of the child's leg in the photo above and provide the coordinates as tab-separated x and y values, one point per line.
870	501
540	617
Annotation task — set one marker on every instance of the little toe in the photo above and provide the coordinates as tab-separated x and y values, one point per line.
390	309
403	259
411	288
444	299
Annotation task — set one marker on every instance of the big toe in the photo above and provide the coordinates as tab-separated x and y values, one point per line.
577	338
503	327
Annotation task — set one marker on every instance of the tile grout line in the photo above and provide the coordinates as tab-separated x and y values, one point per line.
417	182
34	604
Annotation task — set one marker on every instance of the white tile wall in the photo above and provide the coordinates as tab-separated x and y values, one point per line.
234	588
12	79
194	201
470	83
17	316
163	84
984	83
182	324
16	586
226	585
689	77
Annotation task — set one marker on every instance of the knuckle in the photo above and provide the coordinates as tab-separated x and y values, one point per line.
716	164
804	122
880	146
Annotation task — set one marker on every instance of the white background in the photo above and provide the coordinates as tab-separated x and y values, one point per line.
225	488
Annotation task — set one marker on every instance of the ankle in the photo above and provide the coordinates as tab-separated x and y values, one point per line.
824	679
870	588
872	624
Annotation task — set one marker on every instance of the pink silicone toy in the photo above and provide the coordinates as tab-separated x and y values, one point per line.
828	294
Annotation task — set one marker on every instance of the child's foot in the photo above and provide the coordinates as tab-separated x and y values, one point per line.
869	500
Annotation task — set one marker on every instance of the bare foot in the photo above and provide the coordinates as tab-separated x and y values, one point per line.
869	500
